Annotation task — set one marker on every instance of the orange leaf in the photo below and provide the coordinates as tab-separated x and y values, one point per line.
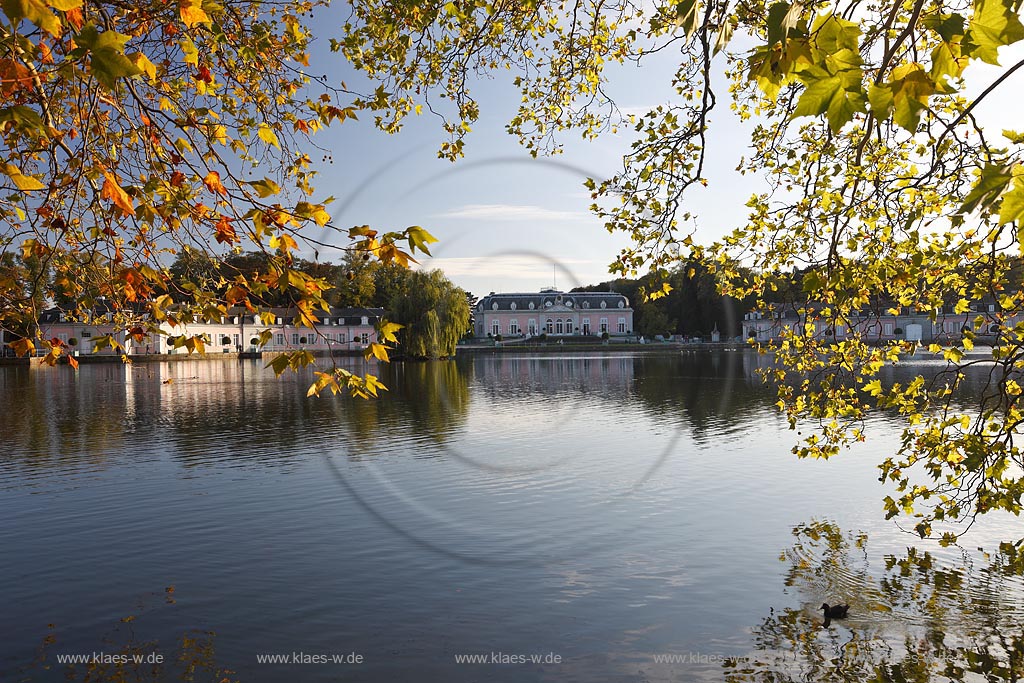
115	193
75	17
192	13
234	295
73	362
213	184
225	232
13	77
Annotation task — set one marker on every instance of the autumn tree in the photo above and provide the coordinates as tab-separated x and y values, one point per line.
879	181
133	132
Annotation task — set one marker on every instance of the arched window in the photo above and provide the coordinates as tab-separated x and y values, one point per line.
558	326
549	326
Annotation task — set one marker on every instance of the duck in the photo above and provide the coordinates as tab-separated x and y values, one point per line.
833	612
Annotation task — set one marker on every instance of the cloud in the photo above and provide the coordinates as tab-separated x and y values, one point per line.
513	212
508	266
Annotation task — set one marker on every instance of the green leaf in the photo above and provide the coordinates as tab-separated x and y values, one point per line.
687	15
991	183
24	118
1012	208
828	94
776	24
265	187
724	36
107	61
911	87
33	10
279	364
948	26
832	34
993	25
881	100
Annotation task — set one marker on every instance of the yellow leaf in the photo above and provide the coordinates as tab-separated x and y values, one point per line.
378	351
145	66
268	136
192	13
386	331
23	346
24	183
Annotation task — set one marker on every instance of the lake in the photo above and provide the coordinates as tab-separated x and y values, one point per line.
617	517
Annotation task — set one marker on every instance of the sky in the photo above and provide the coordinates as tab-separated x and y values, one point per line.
508	222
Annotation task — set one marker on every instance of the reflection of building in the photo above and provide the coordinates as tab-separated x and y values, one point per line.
340	329
947	326
554	313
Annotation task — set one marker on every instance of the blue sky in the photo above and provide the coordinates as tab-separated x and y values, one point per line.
507	222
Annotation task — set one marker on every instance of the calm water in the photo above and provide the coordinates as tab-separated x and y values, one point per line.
610	510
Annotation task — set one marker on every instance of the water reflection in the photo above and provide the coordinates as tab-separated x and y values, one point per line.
626	506
916	618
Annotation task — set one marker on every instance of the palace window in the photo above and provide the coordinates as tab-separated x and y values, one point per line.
586	326
495	328
532	327
604	325
558	326
549	326
622	325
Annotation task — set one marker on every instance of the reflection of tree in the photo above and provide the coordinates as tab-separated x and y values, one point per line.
919	620
433	396
699	387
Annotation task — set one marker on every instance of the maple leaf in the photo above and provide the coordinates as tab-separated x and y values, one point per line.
192	13
213	184
225	232
115	193
13	77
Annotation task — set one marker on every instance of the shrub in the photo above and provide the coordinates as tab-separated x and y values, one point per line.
605	335
898	330
497	338
225	340
302	340
73	341
254	341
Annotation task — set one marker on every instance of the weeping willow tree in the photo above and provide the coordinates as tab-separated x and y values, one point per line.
433	312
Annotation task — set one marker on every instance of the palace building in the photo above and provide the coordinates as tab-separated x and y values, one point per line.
340	329
553	312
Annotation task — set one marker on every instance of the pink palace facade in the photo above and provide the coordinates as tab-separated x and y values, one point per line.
554	313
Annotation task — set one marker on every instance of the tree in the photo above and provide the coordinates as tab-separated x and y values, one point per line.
134	132
354	283
433	312
881	186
